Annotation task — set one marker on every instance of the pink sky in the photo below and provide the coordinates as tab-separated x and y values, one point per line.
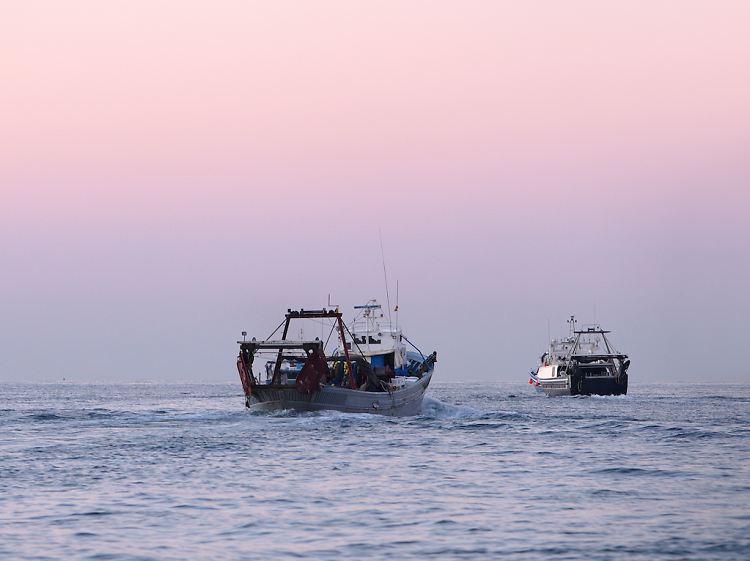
158	153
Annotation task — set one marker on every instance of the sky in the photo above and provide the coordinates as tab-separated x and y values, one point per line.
175	173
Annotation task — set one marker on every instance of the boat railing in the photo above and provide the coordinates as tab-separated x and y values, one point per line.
372	326
588	358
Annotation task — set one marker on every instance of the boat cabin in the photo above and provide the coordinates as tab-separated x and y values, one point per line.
377	339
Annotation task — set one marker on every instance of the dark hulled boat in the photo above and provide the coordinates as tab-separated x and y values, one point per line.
584	363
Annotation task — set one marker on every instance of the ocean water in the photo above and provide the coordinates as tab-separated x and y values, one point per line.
487	471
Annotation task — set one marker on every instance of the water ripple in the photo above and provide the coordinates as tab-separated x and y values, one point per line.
168	471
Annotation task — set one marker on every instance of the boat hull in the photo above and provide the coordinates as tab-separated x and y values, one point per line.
595	385
396	403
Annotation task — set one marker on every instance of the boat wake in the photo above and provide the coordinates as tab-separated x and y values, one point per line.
432	408
436	409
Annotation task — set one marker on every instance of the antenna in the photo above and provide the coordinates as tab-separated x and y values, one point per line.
387	297
396	310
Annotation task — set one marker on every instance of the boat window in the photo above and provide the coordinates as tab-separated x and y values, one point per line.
374	341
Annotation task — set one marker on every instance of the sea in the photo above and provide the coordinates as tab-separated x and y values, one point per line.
174	471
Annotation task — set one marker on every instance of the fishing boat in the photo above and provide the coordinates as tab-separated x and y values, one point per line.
584	363
371	370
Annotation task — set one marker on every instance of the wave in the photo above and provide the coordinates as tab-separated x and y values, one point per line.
435	409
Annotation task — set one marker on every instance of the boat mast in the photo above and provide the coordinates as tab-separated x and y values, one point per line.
396	310
572	322
574	337
385	276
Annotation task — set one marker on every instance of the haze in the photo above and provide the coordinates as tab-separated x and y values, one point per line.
173	173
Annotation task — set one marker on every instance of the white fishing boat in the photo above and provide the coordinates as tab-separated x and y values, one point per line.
370	370
584	363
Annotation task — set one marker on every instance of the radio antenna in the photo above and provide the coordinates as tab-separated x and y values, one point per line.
385	275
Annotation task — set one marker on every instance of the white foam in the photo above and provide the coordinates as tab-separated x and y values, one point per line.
432	407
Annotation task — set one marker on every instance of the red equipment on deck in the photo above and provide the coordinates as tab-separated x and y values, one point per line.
244	376
314	369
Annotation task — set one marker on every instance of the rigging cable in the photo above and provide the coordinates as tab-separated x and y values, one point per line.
413	345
